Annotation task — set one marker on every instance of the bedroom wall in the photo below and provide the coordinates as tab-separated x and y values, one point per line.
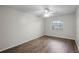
77	27
69	27
17	27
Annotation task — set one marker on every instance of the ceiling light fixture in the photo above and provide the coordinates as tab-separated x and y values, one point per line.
47	12
47	15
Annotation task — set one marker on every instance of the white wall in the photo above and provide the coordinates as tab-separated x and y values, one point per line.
17	27
77	27
68	27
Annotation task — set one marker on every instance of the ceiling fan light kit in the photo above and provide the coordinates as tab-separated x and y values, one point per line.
48	12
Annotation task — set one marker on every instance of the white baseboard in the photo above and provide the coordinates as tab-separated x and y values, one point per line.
19	44
61	37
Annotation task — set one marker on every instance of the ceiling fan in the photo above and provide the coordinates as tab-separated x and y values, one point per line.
48	12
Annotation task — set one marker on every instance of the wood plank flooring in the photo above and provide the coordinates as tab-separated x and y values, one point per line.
45	44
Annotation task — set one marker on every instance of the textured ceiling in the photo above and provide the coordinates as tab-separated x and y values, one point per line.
36	9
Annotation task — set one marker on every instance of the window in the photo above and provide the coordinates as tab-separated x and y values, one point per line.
57	25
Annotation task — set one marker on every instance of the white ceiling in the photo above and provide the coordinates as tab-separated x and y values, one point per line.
36	9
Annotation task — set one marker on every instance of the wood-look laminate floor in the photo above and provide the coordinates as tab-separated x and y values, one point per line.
45	44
